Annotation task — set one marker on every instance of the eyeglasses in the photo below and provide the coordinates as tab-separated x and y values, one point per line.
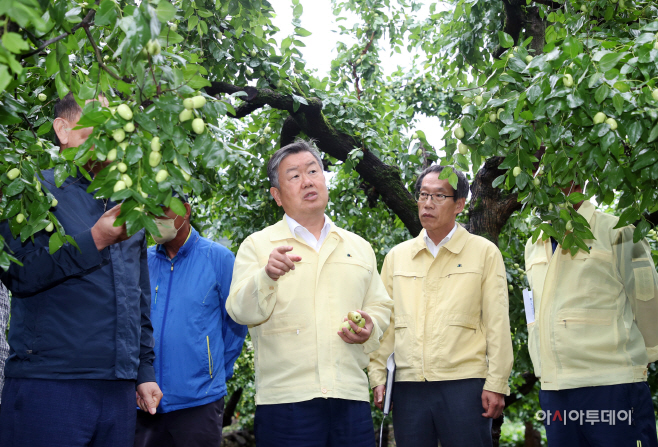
435	198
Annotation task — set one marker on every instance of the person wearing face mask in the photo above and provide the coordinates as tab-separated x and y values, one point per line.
196	343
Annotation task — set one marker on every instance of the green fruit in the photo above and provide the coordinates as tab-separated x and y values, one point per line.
127	180
50	227
358	61
186	176
188	103
124	145
111	155
612	123
583	8
198	102
175	161
536	181
161	176
493	117
124	112
42	97
154	159
173	27
253	53
463	149
354	316
414	136
510	287
550	207
13	173
261	141
467	100
20	218
516	171
569	226
198	126
459	133
54	203
129	127
528	59
500	111
143	194
654	94
185	115
153	47
599	118
155	144
478	100
346	324
122	167
267	129
567	80
119	185
119	135
655	45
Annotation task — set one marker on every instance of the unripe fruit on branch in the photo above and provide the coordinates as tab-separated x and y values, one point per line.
119	185
185	115
528	58
173	27
122	167
20	218
13	173
127	180
493	117
119	135
153	47
198	126
154	159
188	103
459	133
42	97
478	100
111	155
569	226
198	102
612	123
463	149
267	129
155	144
54	203
186	176
129	127
599	118
536	181
124	112
161	176
567	80
50	227
654	94
261	141
516	171
467	100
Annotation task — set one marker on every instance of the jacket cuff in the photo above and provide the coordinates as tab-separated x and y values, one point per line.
496	386
146	373
373	343
91	257
376	378
653	354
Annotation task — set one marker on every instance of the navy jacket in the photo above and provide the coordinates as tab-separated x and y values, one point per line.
196	342
79	314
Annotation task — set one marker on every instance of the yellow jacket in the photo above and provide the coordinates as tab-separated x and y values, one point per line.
294	321
451	313
595	313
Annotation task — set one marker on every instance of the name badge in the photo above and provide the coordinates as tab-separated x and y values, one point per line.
529	305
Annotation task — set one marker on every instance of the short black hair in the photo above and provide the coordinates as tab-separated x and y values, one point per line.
462	183
298	146
66	108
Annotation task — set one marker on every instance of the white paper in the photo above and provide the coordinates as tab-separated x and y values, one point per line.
529	305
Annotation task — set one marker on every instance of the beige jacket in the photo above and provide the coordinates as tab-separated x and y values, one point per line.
596	314
294	321
451	313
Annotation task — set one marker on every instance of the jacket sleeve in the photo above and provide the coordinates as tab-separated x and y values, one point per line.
378	305
495	318
640	280
378	358
146	372
253	293
233	333
53	269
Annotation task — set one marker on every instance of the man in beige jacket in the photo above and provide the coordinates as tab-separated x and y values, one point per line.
293	284
450	333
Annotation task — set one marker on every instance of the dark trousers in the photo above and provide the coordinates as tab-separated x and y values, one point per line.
67	413
450	411
570	416
315	423
190	427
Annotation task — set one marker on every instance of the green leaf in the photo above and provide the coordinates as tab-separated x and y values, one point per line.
634	131
574	100
55	242
641	230
107	13
491	131
192	21
452	179
618	102
654	134
165	11
610	60
572	47
14	42
505	39
576	197
5	77
601	93
177	206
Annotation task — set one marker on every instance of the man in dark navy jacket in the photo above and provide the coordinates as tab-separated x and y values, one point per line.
80	336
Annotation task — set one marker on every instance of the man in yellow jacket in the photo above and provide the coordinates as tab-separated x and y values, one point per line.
293	284
595	331
451	332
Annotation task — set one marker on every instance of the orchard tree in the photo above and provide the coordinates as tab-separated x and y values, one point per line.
201	94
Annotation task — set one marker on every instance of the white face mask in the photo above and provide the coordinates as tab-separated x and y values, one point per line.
167	229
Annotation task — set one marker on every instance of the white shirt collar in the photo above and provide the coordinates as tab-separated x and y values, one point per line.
434	248
299	231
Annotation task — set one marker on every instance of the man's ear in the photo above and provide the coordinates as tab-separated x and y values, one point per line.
62	130
276	194
189	210
461	203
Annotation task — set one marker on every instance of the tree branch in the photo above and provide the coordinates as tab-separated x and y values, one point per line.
550	4
99	58
85	23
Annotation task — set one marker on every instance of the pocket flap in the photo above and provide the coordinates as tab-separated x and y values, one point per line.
467	321
536	260
603	317
401	321
408	274
278	324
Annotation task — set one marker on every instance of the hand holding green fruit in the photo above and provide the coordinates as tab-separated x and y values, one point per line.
356	327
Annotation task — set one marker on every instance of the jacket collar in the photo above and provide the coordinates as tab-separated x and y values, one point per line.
185	249
454	245
281	230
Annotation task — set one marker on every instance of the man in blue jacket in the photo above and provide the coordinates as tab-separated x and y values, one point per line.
81	341
196	342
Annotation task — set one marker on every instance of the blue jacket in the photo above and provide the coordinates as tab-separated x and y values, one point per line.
79	314
196	342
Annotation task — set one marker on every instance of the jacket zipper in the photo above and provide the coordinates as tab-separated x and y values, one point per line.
164	319
156	296
210	363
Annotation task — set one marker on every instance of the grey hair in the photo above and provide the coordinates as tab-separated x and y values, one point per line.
294	148
462	182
